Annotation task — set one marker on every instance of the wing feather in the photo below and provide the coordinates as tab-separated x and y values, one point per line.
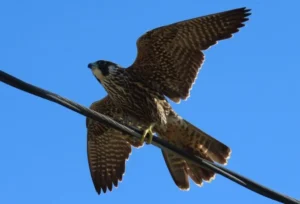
169	57
107	149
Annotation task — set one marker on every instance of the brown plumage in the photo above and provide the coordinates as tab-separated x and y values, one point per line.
194	141
108	149
167	64
171	55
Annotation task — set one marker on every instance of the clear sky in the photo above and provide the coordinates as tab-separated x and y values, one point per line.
247	95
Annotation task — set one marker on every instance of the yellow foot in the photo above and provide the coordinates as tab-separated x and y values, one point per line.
149	132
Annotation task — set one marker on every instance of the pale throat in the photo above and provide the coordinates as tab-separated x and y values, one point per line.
98	74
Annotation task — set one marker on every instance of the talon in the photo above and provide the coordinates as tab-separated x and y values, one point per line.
146	132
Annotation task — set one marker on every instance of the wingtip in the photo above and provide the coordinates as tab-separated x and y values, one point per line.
247	9
104	188
247	12
98	190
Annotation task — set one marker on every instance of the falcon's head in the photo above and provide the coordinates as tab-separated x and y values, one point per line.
102	70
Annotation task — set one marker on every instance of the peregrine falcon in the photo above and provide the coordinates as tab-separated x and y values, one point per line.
166	66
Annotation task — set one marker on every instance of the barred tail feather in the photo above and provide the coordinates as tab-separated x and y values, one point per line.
178	169
209	146
193	140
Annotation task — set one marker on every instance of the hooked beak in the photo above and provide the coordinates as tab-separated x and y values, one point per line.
91	65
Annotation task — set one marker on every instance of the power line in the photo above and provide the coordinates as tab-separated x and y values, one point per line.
158	142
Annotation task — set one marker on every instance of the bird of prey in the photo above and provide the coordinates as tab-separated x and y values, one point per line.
166	66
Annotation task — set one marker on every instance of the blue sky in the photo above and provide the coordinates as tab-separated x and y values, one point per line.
247	95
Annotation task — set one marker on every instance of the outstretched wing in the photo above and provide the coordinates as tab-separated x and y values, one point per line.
107	148
170	57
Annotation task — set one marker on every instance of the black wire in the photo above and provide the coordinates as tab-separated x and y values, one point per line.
247	183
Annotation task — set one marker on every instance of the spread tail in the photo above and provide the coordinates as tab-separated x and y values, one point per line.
193	140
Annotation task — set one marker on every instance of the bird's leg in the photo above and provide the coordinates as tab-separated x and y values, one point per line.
146	132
